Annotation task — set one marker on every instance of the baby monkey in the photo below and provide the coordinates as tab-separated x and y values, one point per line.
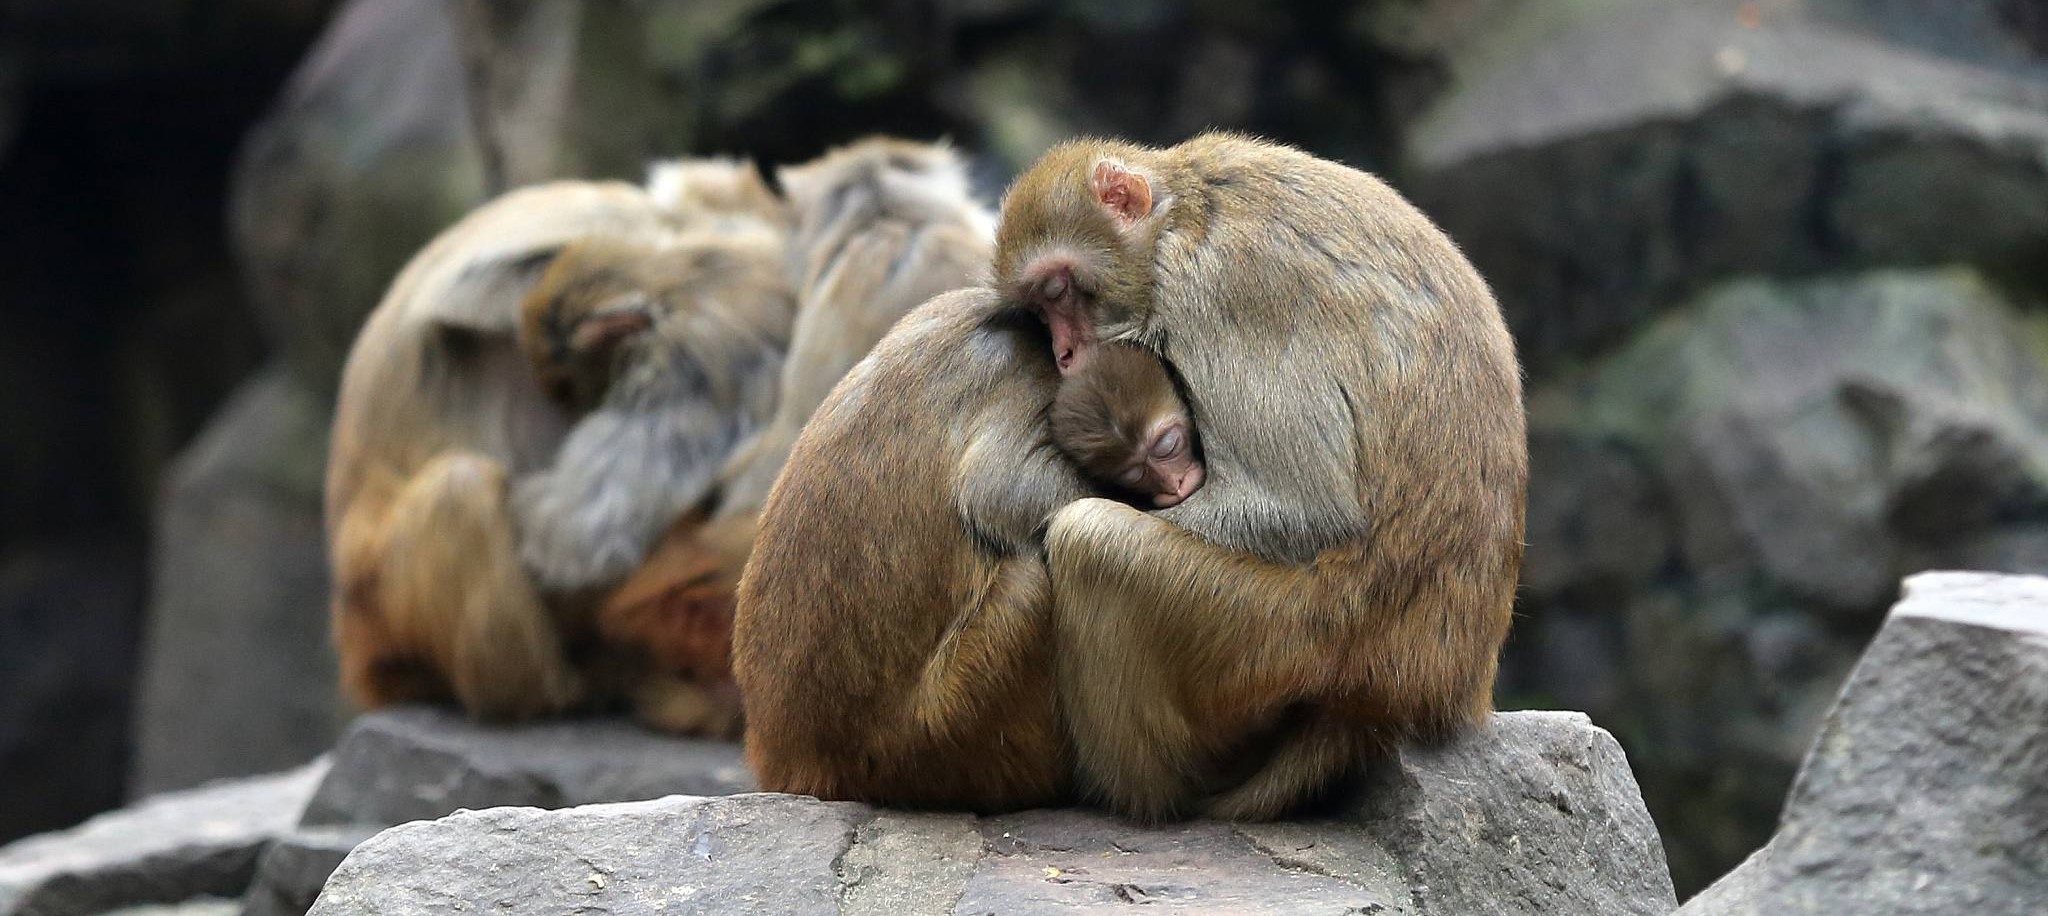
1118	416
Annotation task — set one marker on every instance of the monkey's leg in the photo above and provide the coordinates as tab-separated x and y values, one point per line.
451	582
1133	744
1151	617
378	669
375	670
1309	760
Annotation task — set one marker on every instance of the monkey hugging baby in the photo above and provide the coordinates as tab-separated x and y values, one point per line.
1209	493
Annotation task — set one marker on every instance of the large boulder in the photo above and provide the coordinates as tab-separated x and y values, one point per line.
237	675
367	153
1720	510
273	840
1535	814
169	849
1927	787
1599	159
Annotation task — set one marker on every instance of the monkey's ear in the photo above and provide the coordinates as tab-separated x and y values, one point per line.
1126	194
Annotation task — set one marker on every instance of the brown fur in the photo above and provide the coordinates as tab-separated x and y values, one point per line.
893	634
444	432
879	227
438	412
1347	574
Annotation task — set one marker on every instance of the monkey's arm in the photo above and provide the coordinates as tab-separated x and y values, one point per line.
621	477
1231	608
1009	482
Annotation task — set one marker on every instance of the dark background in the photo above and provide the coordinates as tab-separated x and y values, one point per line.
1776	267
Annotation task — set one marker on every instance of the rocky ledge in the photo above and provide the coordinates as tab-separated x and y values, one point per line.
1536	814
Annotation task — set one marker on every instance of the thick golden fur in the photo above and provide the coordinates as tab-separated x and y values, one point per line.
1345	578
893	634
440	420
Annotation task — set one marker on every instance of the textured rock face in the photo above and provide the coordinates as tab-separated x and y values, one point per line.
419	764
169	849
237	675
363	158
1722	507
1928	785
1536	814
1599	159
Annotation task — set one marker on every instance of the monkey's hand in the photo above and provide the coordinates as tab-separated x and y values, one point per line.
1112	555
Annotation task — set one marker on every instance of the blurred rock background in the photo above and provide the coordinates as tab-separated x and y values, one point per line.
1778	270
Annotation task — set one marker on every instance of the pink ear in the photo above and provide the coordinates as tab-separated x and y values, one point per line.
1126	194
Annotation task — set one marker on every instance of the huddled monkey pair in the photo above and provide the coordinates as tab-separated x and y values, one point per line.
571	397
937	610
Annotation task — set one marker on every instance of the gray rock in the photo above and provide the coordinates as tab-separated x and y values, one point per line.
168	849
1730	896
1597	160
296	865
367	153
419	763
1928	785
237	674
197	906
1721	509
743	854
1535	814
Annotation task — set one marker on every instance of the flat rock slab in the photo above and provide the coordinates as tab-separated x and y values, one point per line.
168	849
1535	814
1927	789
421	763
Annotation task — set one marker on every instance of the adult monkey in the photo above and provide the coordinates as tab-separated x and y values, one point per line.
1345	578
439	412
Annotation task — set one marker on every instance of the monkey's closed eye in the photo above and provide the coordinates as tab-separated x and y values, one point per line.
1134	476
1169	443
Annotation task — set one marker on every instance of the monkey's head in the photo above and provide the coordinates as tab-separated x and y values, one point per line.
1119	417
589	302
1075	239
888	176
712	192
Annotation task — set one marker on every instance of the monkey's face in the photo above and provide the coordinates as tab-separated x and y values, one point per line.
1073	247
1165	464
579	346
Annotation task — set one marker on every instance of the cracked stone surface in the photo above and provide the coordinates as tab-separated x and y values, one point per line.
169	849
1927	789
1535	814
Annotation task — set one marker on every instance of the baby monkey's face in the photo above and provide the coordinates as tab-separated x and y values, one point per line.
1163	463
1120	417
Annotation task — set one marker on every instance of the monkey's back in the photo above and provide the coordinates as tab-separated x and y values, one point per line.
1355	323
861	567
